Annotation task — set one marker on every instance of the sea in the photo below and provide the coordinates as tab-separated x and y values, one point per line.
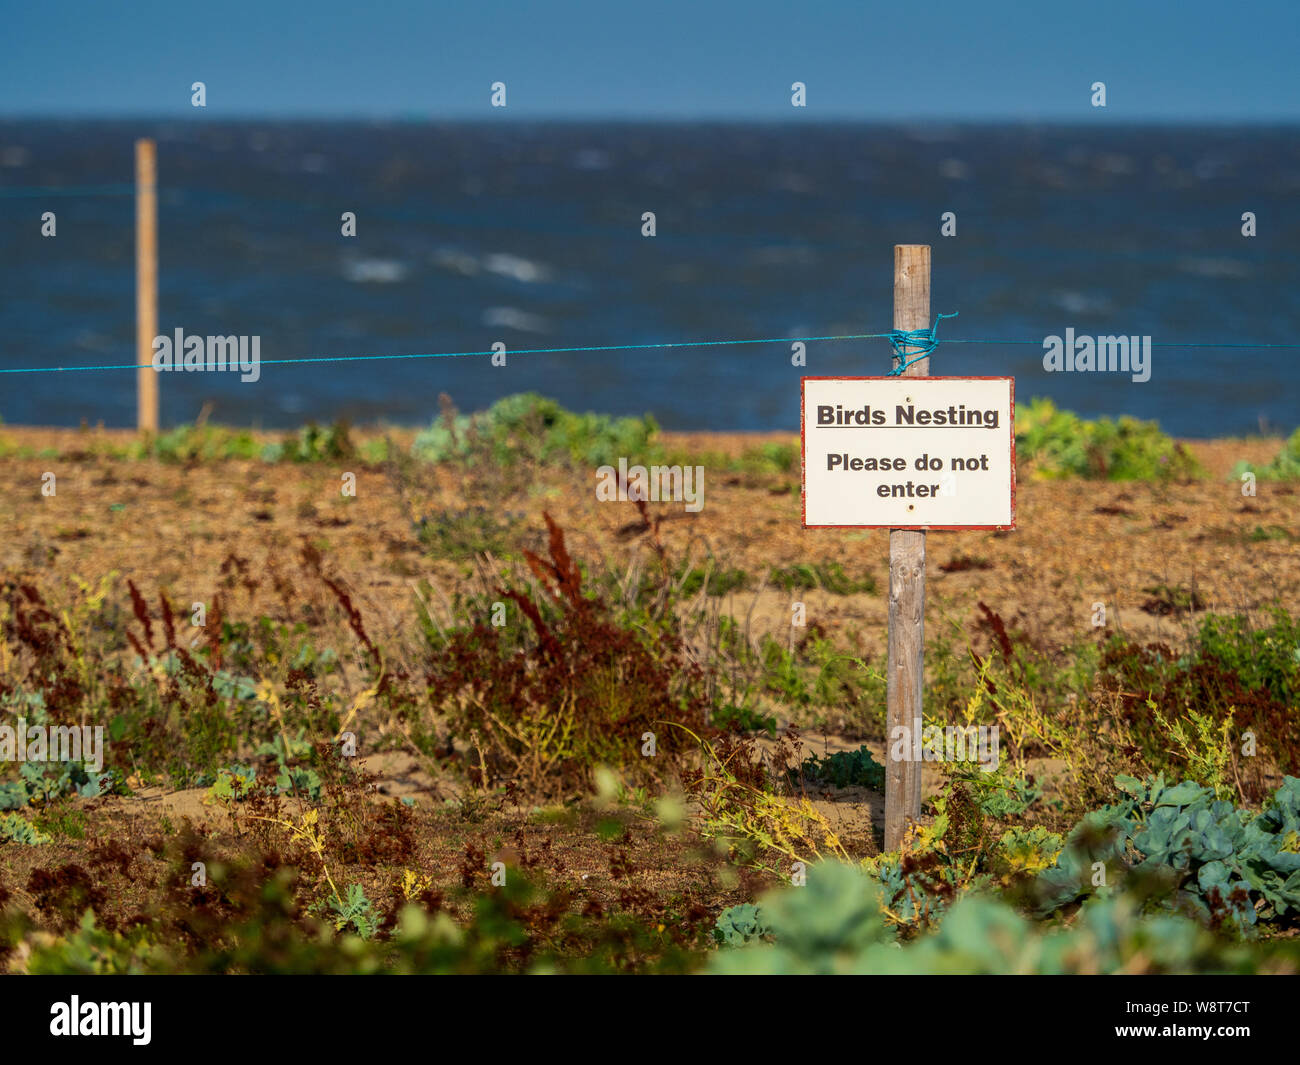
534	236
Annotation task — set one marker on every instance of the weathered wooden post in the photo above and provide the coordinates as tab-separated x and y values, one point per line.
906	669
146	284
909	453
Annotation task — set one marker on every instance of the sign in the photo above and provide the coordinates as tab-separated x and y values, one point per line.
909	452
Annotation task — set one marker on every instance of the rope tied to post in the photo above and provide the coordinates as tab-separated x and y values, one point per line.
923	340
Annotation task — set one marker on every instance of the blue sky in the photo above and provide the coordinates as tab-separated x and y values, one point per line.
1171	60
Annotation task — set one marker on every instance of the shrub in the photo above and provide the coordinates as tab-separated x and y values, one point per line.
1061	444
718	580
829	576
1285	465
844	769
530	427
1236	669
835	925
572	691
15	829
1188	851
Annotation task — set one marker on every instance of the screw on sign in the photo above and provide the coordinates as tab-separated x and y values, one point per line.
909	453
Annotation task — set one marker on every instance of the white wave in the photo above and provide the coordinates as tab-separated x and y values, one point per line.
1073	302
515	267
374	271
514	318
460	262
1209	267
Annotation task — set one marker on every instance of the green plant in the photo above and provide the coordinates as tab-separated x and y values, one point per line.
771	456
743	719
529	427
313	444
1188	851
1026	851
737	925
1261	534
469	531
829	576
998	793
1061	444
836	925
843	769
1236	669
233	783
572	689
1206	747
737	807
353	911
717	580
249	920
1284	466
43	782
16	829
201	443
62	820
782	674
1166	600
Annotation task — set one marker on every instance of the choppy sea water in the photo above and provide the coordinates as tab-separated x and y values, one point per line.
531	235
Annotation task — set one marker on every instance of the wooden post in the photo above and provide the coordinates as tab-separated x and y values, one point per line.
146	285
906	586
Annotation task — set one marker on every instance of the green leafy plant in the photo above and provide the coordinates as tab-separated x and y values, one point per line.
836	925
743	719
530	427
233	783
829	576
467	532
1189	851
43	782
1061	444
717	580
843	769
1205	744
737	925
16	829
1237	672
353	911
1284	466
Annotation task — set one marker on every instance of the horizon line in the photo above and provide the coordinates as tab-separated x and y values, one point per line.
654	119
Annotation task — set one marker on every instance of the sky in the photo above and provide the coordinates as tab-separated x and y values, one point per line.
1161	60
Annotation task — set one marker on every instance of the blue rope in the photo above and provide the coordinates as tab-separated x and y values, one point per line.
460	354
1154	344
923	339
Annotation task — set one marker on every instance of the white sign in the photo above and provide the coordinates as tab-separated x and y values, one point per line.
909	452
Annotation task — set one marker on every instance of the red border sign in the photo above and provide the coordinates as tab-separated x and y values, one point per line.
803	453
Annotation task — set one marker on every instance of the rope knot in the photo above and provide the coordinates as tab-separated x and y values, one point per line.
921	342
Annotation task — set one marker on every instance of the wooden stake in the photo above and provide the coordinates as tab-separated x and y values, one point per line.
146	285
906	587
